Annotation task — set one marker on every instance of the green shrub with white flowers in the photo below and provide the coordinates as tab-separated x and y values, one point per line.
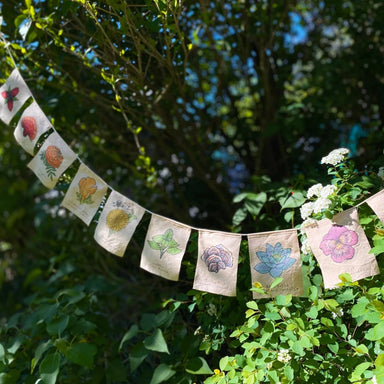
327	336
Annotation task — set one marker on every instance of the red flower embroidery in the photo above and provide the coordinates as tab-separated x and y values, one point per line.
10	96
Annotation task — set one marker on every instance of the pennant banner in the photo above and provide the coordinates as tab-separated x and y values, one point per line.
53	158
164	247
31	125
216	269
276	254
340	246
85	194
13	94
117	223
376	202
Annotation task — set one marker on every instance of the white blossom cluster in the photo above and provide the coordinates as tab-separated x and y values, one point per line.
335	157
283	355
305	247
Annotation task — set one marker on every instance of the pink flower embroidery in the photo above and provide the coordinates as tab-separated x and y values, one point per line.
339	242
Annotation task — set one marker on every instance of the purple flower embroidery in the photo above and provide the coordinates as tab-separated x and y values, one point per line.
217	257
339	242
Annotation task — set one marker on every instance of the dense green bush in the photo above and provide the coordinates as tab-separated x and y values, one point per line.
329	335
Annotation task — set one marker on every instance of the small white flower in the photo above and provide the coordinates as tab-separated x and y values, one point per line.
306	210
283	356
212	310
321	204
335	157
339	313
307	223
328	190
305	247
315	190
380	173
197	330
374	380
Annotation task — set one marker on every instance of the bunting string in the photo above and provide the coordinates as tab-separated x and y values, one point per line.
339	245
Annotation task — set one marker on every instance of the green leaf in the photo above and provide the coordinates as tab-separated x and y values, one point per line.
2	354
376	333
173	251
132	332
198	366
223	363
378	246
162	373
158	238
57	326
296	199
239	216
156	342
168	235
49	368
154	245
82	354
40	350
276	282
137	356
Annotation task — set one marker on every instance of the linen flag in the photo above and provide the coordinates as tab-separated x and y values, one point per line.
164	247
53	158
276	254
117	223
376	202
217	261
85	194
13	94
340	246
31	125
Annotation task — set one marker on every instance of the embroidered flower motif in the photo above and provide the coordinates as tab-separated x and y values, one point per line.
10	97
339	242
335	157
87	187
52	159
217	257
119	217
29	127
275	260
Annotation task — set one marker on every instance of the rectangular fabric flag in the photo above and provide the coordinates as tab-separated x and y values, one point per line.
276	254
53	158
376	202
31	125
13	94
117	223
340	246
164	247
85	194
217	262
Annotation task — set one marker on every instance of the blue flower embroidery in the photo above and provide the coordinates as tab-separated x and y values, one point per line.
275	260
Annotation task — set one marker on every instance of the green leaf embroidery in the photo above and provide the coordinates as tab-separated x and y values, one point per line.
165	243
